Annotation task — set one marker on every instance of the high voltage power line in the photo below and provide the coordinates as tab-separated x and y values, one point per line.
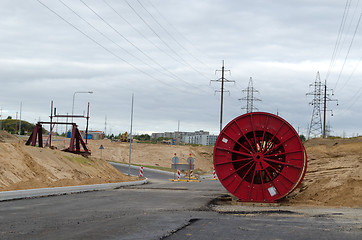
104	35
146	38
355	97
342	34
166	71
139	32
349	49
180	34
140	50
349	25
154	32
339	46
336	46
90	38
169	34
183	61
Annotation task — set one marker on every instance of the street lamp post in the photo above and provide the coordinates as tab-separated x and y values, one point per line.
90	92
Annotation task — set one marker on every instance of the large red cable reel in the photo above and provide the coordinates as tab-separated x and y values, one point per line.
259	157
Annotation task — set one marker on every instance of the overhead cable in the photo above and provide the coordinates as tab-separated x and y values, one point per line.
139	32
104	35
349	27
338	40
183	61
168	33
355	98
170	74
140	50
178	32
103	47
349	49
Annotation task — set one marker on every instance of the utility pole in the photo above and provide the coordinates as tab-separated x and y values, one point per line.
250	90
324	109
1	119
16	123
178	138
319	95
328	130
222	80
21	106
66	126
130	138
326	99
105	126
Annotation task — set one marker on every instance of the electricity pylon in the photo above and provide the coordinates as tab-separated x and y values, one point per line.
320	96
250	90
315	127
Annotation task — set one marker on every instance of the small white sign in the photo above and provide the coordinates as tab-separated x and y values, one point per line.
272	191
225	140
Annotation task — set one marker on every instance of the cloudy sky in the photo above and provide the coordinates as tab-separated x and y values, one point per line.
166	53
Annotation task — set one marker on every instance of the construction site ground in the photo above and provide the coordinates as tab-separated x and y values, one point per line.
333	178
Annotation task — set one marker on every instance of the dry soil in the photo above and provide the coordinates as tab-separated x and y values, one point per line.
26	167
333	178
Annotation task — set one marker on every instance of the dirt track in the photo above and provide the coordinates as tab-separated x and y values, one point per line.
333	178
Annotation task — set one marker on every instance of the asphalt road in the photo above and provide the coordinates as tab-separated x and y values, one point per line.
148	173
159	210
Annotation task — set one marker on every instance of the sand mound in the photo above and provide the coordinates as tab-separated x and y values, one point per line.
26	167
7	137
334	173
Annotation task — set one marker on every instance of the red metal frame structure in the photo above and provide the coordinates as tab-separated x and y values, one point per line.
37	133
76	139
259	157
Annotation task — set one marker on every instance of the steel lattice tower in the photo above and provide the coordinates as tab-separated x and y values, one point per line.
249	97
315	127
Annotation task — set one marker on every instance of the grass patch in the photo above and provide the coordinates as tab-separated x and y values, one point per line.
79	159
194	145
144	142
333	137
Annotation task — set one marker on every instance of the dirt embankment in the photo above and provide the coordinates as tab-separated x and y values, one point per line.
334	174
26	167
333	178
